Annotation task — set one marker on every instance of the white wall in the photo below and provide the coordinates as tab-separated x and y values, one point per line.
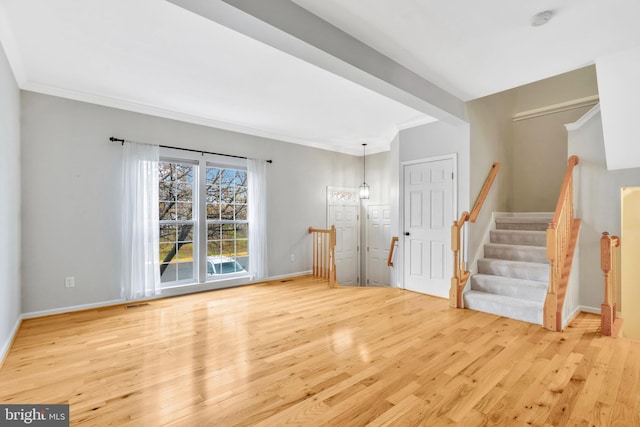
394	201
72	186
597	198
619	93
9	204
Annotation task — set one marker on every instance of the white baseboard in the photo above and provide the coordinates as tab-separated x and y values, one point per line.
7	344
168	294
286	276
72	308
588	309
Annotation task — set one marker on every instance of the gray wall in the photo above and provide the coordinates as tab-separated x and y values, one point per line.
540	159
10	203
597	198
540	143
72	186
491	141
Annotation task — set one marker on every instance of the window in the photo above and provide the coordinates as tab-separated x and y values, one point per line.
203	222
227	225
177	225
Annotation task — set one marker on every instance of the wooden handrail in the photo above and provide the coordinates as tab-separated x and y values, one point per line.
324	254
392	249
484	192
561	240
609	253
460	273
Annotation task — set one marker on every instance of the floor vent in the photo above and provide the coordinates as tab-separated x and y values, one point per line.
142	304
286	280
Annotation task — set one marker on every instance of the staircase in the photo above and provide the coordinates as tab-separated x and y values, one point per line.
513	276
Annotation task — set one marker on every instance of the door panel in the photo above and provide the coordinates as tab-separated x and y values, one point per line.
378	239
428	218
345	218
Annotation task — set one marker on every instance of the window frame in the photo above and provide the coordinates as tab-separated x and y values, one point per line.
201	162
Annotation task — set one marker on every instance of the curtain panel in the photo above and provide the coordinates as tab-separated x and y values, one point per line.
140	232
257	216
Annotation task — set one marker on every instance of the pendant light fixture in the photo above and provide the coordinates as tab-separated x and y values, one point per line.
364	188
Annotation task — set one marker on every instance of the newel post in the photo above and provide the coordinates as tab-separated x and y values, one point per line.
550	317
455	300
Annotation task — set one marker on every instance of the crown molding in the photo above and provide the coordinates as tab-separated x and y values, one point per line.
584	119
378	145
557	108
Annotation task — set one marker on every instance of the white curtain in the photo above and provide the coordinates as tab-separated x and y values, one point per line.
257	216
140	233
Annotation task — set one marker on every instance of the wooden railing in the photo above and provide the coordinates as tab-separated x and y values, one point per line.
324	254
460	273
609	256
394	241
562	235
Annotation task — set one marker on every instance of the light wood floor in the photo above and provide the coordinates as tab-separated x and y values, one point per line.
299	353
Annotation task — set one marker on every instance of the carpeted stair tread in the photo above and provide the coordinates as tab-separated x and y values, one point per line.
535	222
508	286
514	308
519	237
516	252
517	269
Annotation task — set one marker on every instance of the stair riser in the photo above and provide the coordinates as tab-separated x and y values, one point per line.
516	290
528	226
516	237
525	314
539	272
529	254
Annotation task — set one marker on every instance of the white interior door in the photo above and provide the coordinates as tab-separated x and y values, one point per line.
344	205
428	215
378	240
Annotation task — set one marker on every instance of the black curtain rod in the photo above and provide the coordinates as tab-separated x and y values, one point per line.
114	139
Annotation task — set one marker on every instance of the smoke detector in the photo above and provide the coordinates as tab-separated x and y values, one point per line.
541	18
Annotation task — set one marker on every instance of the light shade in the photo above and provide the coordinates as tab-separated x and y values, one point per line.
364	191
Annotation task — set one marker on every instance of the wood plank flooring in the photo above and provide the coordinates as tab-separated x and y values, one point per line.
300	353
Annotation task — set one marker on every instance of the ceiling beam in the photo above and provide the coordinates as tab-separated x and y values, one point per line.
290	28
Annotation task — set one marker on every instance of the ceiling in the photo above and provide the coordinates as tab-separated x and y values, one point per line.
154	57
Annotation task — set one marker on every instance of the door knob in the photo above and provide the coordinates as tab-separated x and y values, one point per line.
406	233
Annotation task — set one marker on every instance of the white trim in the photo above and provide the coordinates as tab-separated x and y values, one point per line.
571	316
7	345
584	119
416	122
588	309
190	288
80	307
285	276
557	108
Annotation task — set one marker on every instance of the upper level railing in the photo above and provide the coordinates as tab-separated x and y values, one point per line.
324	253
460	272
394	242
609	256
560	245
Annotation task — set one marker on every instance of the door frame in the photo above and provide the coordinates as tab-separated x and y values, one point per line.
403	165
341	196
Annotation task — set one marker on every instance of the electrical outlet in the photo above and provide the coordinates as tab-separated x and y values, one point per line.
69	282
292	258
